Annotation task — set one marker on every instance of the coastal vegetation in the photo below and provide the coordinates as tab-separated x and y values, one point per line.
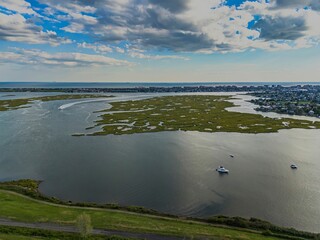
203	113
23	208
84	225
12	104
22	233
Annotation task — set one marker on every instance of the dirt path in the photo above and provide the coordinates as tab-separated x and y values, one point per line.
72	229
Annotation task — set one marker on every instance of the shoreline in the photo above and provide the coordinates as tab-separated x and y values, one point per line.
29	189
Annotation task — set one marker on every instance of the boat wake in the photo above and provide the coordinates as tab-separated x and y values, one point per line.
113	99
68	105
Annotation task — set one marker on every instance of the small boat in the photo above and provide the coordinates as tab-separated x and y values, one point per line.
221	169
232	156
293	166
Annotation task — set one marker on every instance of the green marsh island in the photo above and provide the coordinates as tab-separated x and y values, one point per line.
188	113
13	104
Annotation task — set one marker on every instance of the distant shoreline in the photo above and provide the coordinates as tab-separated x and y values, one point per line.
152	88
141	84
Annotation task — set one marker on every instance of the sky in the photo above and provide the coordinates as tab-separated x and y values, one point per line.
160	40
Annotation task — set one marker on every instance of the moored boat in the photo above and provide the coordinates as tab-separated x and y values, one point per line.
293	166
222	169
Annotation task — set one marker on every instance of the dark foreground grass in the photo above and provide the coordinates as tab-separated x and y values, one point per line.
13	104
21	233
188	113
20	208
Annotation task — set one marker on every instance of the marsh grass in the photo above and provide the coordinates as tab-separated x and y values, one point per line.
188	113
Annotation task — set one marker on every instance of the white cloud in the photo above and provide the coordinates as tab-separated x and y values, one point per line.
136	53
66	59
18	6
16	28
77	15
119	50
99	48
205	27
74	28
181	25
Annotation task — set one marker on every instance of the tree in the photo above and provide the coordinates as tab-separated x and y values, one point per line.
84	225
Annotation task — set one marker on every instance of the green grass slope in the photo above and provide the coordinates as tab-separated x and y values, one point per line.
25	209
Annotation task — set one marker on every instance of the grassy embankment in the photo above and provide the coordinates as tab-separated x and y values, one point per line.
13	104
21	233
188	113
21	208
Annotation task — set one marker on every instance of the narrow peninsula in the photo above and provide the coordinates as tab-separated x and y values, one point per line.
13	104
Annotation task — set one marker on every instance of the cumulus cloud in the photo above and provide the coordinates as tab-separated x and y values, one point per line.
314	4
77	14
281	28
99	48
154	24
284	24
172	6
18	6
16	28
189	25
65	59
119	50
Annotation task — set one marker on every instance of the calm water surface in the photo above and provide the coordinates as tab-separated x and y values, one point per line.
170	171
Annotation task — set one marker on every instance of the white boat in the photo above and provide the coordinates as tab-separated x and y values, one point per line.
293	166
221	169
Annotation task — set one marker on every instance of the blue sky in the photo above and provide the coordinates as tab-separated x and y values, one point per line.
159	40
